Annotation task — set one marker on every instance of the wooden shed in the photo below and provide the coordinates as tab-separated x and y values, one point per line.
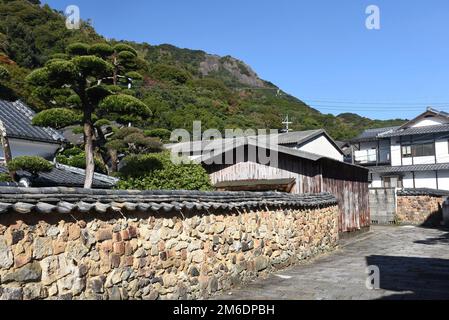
294	171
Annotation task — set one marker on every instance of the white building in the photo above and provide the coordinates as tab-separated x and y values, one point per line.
414	155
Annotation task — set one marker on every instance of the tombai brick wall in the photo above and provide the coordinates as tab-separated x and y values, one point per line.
69	244
420	206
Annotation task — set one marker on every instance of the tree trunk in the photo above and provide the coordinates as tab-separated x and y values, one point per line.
115	72
114	161
89	148
7	153
6	148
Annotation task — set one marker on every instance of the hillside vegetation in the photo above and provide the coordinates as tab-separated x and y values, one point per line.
179	85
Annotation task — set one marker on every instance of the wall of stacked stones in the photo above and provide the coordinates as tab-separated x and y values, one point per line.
154	255
419	209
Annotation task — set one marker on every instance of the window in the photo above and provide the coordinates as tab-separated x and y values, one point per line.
418	150
386	182
406	151
423	150
392	182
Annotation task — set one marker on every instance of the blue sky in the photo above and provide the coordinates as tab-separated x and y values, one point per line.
319	51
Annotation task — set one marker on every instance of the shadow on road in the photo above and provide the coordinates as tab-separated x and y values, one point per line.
412	277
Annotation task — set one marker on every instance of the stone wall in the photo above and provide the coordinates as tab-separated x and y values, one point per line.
419	209
132	254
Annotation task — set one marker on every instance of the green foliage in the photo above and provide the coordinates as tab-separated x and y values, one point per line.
121	47
78	49
4	177
101	50
124	108
157	171
57	118
172	83
170	73
160	133
92	66
4	73
31	164
133	141
134	75
102	123
76	157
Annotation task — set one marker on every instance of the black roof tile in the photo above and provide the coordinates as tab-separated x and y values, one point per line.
16	118
67	200
59	177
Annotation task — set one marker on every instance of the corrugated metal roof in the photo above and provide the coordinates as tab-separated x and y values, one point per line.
68	200
413	131
418	167
17	117
61	177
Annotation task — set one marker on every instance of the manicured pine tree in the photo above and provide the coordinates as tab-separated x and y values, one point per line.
85	72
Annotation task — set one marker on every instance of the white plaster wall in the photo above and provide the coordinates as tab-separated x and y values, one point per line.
407	180
323	147
377	181
425	179
396	152
424	160
430	122
30	148
443	180
442	151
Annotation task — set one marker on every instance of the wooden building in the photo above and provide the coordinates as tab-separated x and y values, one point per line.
293	171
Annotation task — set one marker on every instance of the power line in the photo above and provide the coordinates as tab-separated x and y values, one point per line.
399	103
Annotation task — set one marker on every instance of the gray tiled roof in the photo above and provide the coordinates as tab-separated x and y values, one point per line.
67	200
418	130
423	192
60	177
294	137
298	136
371	134
16	118
417	167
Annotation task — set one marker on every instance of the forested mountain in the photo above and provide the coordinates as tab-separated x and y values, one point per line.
179	85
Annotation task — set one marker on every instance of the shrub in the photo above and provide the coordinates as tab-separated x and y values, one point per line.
78	49
169	73
158	172
31	164
121	105
4	73
132	140
57	118
77	159
4	177
102	50
161	133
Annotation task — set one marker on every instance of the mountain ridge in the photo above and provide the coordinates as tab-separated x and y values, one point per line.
180	85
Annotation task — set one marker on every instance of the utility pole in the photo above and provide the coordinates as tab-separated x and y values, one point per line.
287	124
6	147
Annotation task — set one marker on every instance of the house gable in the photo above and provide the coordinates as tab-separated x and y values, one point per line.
324	146
431	117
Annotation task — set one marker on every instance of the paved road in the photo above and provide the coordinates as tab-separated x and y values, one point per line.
413	263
